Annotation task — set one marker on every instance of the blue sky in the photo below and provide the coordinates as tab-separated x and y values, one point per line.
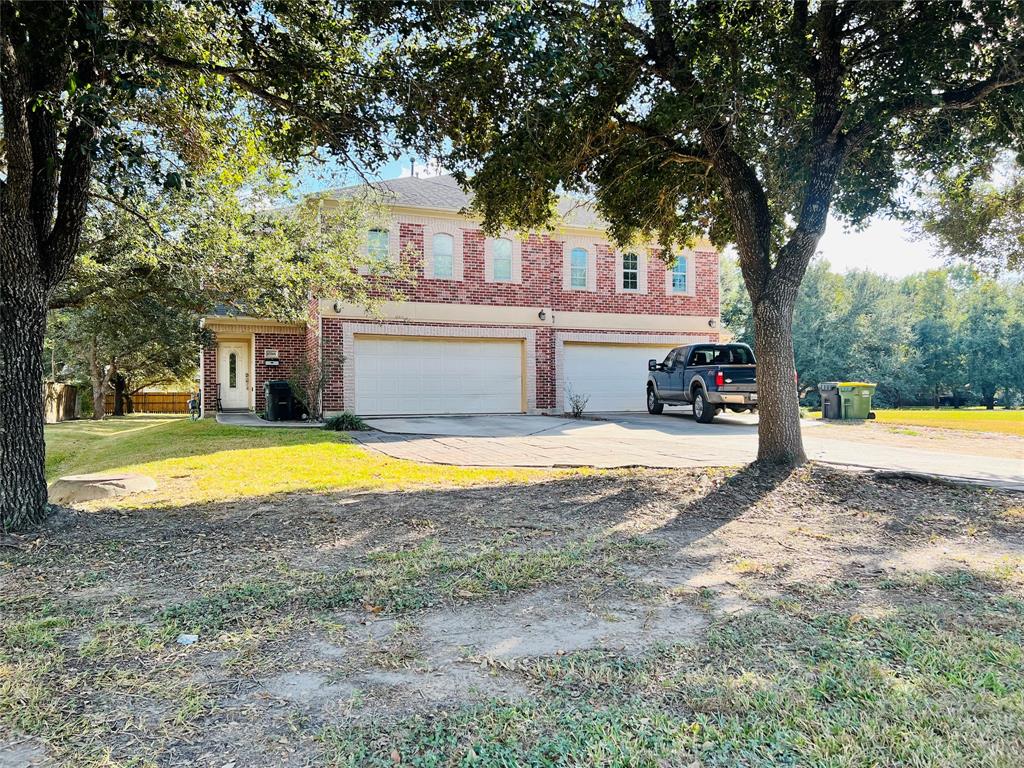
885	246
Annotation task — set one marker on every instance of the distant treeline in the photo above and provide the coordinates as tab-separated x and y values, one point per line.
944	337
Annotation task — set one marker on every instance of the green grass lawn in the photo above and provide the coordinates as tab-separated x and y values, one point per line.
967	419
204	461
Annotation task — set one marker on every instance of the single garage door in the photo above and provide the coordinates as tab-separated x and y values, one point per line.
613	376
425	376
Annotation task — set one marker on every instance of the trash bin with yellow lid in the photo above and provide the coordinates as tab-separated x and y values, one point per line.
855	398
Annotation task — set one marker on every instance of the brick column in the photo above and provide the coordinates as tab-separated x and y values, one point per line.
208	383
332	341
545	369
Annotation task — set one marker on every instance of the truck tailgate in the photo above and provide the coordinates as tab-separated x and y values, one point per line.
739	378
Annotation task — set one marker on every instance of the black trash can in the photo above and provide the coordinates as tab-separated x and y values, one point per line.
278	397
831	402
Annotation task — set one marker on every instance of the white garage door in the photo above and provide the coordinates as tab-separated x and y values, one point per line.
409	376
613	376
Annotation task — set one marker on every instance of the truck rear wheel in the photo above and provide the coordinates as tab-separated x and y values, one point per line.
703	411
654	405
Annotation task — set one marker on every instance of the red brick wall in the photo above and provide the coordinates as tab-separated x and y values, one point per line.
289	346
209	383
542	280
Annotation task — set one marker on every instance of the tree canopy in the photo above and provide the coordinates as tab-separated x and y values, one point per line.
122	98
978	220
748	121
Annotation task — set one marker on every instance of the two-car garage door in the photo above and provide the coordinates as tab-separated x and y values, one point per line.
612	376
427	375
451	375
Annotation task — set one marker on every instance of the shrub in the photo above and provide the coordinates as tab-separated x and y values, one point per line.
577	403
345	422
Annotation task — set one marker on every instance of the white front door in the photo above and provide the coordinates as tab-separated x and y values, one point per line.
438	375
613	377
233	374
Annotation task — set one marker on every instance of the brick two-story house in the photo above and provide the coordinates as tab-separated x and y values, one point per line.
504	324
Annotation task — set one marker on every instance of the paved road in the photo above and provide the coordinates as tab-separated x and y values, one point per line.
671	440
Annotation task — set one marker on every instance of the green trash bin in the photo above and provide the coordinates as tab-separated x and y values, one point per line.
855	397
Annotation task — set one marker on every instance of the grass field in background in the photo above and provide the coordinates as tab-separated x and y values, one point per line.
208	462
969	419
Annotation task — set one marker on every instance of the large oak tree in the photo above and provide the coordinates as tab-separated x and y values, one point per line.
748	121
122	95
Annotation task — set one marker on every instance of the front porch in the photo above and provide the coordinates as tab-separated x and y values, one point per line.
244	354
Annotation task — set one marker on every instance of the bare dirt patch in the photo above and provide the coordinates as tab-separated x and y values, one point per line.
320	614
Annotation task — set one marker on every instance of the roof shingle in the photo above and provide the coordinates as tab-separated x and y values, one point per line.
443	193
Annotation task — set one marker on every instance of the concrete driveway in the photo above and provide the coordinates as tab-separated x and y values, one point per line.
674	439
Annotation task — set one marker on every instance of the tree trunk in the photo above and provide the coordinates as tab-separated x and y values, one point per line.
99	377
990	400
22	328
120	391
43	201
778	429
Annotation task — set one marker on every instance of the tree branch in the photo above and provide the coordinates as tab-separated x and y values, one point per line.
748	208
60	248
965	97
17	189
134	212
279	103
678	151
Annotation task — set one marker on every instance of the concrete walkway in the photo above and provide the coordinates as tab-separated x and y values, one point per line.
668	441
252	420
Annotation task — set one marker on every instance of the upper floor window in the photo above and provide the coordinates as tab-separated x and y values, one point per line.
502	260
630	272
443	247
378	244
679	275
578	268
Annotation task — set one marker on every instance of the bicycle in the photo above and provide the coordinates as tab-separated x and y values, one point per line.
194	411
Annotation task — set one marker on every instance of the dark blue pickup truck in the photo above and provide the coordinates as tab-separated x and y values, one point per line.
710	377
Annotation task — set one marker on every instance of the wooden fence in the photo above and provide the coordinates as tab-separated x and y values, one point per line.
60	402
155	402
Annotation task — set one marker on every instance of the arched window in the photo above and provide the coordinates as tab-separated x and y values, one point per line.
630	272
232	370
679	275
443	247
578	258
502	260
378	244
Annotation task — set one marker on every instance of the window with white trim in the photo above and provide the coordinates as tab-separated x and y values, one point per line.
443	249
679	275
502	250
630	272
578	259
378	245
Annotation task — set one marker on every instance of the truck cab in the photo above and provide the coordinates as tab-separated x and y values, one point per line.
710	377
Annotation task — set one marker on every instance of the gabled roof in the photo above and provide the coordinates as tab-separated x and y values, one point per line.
443	193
